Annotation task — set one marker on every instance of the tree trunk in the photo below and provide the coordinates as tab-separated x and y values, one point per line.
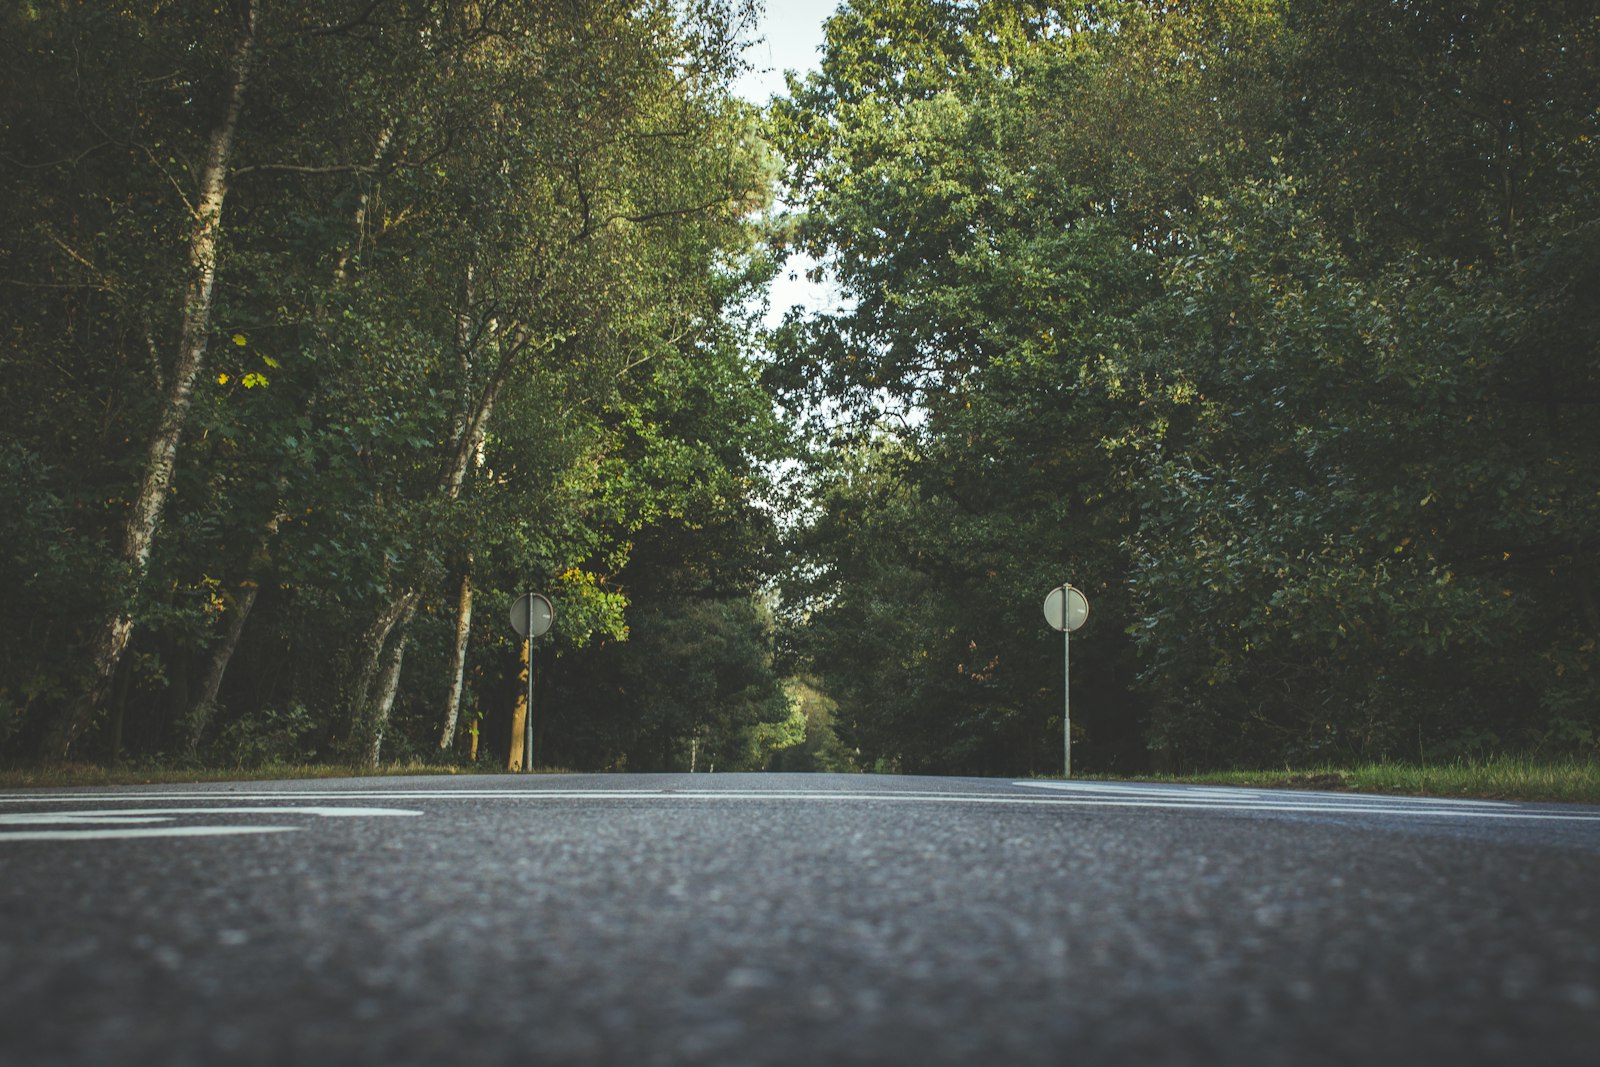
119	711
205	705
474	417
368	715
519	714
145	515
341	263
458	661
403	606
385	701
200	713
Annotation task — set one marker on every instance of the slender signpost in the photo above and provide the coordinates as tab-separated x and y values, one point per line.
1065	608
531	616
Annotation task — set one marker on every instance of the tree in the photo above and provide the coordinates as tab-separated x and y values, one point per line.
1186	297
450	239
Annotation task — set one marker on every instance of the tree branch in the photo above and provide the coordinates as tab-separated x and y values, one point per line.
667	213
65	161
295	168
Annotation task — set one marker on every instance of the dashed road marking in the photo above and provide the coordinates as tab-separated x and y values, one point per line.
1219	794
104	824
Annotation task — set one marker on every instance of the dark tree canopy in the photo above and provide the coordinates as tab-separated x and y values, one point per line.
387	310
328	328
1269	324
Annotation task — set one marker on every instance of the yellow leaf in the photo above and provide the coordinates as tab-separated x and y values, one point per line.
239	340
222	379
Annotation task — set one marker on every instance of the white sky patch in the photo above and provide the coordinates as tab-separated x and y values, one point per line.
789	38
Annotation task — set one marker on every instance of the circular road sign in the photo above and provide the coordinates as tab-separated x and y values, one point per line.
531	615
1076	608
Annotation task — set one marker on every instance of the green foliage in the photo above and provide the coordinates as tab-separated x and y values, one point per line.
267	737
1268	323
1244	317
693	687
818	748
479	311
1339	532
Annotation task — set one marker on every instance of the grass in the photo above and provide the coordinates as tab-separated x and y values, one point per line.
1496	778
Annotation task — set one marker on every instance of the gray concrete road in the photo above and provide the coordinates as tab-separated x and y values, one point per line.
727	919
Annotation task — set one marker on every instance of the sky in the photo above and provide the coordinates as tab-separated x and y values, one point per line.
789	38
791	32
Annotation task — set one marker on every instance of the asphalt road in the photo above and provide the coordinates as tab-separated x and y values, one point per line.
729	919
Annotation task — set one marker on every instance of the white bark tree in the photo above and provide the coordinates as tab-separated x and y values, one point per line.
144	517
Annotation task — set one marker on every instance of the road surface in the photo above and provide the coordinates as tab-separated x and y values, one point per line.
808	919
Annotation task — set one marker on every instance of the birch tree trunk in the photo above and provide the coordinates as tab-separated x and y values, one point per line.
385	702
460	432
458	661
341	264
367	715
201	712
145	515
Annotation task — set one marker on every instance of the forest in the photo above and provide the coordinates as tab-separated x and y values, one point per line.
330	328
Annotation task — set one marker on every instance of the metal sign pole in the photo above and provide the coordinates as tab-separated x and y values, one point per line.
531	615
1066	680
527	720
1065	609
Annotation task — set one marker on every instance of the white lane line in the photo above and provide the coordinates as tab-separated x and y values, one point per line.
132	815
1132	789
1206	791
140	831
515	794
134	822
1176	801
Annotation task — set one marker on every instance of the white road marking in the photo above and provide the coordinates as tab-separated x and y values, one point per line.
1138	788
1211	792
119	815
134	822
1070	795
132	831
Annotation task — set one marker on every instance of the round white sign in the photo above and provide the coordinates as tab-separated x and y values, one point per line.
532	613
1066	601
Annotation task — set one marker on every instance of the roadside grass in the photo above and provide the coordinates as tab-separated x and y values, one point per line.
1496	778
89	774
